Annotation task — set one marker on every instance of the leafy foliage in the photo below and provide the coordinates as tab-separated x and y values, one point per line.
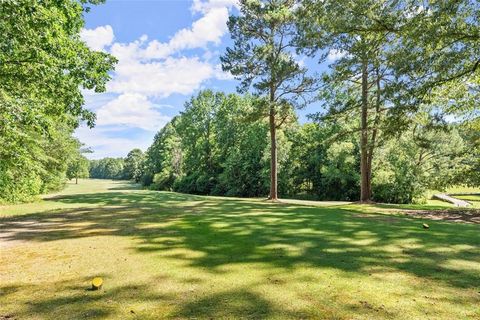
133	169
211	148
402	68
263	56
43	66
107	168
214	147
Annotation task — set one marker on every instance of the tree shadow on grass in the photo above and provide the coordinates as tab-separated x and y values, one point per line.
241	304
125	186
72	299
229	232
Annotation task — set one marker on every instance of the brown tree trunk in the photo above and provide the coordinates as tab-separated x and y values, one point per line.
76	180
375	129
365	184
369	162
273	156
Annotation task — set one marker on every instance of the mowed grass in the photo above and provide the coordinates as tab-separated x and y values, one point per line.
84	186
175	256
473	198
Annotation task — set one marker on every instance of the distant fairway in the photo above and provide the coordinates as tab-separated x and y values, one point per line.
170	255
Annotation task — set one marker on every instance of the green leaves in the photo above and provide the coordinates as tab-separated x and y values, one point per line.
133	169
107	168
43	68
263	55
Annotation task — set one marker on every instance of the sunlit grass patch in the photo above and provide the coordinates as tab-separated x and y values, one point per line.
176	256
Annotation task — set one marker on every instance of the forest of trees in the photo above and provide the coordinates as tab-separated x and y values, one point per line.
382	133
213	147
44	66
398	108
129	168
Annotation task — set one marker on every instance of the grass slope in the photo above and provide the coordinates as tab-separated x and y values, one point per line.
169	255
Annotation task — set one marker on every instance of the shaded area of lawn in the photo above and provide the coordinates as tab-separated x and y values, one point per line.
214	237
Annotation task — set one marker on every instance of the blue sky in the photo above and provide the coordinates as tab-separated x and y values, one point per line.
168	50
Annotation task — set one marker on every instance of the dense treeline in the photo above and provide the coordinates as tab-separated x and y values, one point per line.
399	69
129	168
394	57
107	168
213	147
44	65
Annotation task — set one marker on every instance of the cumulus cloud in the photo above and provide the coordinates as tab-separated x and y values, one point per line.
152	68
149	70
106	144
334	55
202	6
132	110
161	79
210	28
124	122
98	38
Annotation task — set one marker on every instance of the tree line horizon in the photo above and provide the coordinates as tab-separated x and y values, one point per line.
403	67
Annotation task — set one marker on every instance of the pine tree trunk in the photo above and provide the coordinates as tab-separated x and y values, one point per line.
365	184
273	156
374	130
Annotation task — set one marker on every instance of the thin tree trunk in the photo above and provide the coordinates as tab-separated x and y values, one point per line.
209	150
76	180
376	123
369	163
273	156
365	185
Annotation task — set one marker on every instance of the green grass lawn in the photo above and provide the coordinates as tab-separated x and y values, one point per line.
469	197
470	194
474	199
463	189
430	205
169	255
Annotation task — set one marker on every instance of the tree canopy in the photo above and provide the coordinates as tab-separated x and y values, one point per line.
213	147
44	66
398	103
263	57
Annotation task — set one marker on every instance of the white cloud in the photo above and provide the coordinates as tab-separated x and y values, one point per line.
149	69
104	144
98	38
161	79
205	6
334	54
132	110
125	122
208	29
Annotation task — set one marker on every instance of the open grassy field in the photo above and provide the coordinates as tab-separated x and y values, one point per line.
474	199
169	255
